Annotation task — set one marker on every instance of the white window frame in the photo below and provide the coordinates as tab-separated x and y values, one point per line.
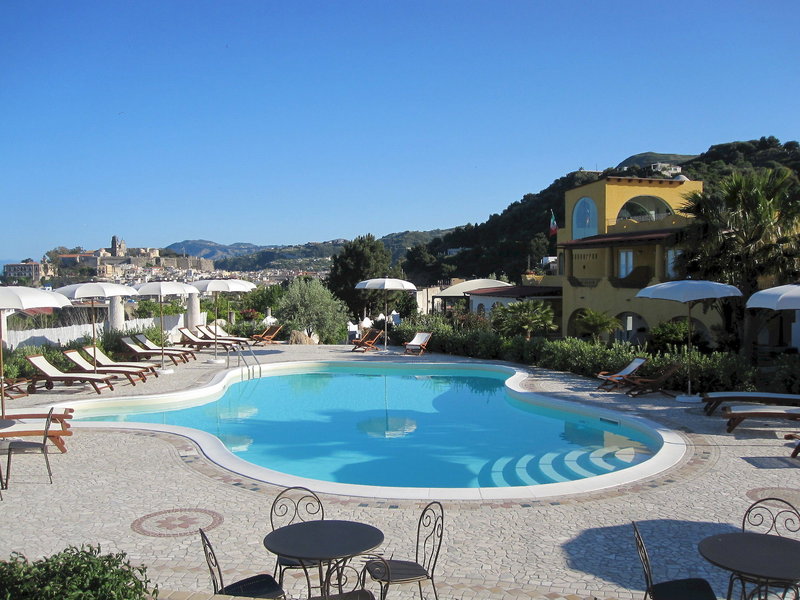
625	263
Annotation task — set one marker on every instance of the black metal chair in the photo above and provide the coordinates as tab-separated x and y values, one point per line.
346	580
293	505
257	586
676	589
27	447
772	516
430	530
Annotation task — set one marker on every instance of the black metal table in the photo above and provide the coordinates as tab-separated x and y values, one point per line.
761	558
320	542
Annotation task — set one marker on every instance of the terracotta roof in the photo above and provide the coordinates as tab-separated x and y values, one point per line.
611	239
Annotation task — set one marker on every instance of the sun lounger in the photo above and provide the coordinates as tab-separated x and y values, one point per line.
613	381
136	350
14	387
206	332
192	341
101	358
184	353
50	374
713	400
418	345
649	385
367	341
87	367
54	435
737	414
267	336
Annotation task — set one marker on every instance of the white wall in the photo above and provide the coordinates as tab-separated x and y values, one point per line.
65	335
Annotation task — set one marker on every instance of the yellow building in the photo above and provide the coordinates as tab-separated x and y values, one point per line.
618	238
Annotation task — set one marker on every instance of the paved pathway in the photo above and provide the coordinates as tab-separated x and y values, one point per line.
146	493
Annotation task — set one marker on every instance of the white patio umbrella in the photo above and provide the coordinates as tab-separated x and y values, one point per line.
214	286
93	291
387	284
782	297
161	289
689	291
16	297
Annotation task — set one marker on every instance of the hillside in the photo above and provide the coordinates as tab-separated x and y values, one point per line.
503	243
646	159
309	256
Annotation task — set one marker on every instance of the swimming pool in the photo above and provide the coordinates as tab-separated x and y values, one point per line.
427	427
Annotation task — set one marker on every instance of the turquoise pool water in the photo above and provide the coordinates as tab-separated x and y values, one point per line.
406	427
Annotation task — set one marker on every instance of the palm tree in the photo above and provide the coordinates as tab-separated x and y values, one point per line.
596	323
528	316
744	230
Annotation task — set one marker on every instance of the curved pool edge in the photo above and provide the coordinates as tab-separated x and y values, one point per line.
673	445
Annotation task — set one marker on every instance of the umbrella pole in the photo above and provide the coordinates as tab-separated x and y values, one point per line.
94	339
216	318
2	371
385	321
161	306
689	350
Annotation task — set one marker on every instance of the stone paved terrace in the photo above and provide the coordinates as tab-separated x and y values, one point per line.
146	493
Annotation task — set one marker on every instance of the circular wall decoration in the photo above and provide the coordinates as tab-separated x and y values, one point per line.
176	522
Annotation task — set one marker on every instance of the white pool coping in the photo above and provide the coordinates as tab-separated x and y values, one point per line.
672	450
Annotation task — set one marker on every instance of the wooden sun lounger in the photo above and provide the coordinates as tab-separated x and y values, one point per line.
267	336
419	344
207	333
136	350
649	385
101	358
367	341
54	435
713	400
737	414
14	387
192	341
184	353
50	374
87	367
612	381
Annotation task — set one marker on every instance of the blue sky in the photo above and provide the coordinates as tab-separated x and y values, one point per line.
285	122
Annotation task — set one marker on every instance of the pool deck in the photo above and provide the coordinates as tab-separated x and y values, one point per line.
147	493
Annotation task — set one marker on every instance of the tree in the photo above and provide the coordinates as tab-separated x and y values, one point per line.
596	323
745	230
262	298
363	258
309	306
528	316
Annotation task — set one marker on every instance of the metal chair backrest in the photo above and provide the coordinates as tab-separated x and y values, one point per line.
213	565
47	423
295	504
344	576
772	515
430	531
640	547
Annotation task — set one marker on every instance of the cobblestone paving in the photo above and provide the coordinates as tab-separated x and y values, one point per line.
146	493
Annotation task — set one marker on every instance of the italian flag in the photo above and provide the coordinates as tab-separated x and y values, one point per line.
553	225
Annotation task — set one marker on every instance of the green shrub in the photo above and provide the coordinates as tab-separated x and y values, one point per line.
77	573
787	375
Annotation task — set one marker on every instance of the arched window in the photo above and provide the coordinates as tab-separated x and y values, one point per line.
584	218
644	208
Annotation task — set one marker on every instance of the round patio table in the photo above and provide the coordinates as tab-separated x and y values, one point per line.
758	557
6	423
320	542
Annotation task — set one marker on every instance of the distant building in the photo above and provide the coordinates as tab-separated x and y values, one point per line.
665	168
24	270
